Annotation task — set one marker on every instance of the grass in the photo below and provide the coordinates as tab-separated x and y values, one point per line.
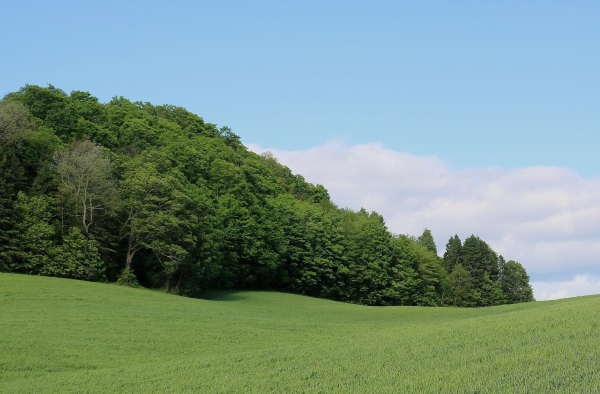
59	335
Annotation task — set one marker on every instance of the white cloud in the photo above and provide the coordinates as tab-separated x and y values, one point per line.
580	285
547	218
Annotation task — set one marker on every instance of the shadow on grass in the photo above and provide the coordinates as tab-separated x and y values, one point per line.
225	295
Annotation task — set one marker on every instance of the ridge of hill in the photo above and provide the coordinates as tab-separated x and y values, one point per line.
62	335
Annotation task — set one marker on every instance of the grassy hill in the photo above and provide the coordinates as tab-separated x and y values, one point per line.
60	335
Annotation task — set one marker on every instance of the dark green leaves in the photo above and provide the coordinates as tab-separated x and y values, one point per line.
132	191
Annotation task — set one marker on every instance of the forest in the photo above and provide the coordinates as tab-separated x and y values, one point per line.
153	196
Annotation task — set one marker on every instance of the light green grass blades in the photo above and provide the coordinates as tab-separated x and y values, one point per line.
59	335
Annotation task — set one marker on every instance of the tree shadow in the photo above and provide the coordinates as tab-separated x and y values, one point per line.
225	295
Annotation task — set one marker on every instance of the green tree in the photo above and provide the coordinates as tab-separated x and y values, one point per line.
491	293
135	135
77	258
224	176
406	283
34	234
515	283
453	253
426	239
51	105
368	250
202	269
11	180
90	189
461	285
15	121
479	259
430	275
86	182
153	207
445	286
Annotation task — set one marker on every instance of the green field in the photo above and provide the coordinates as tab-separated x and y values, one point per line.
59	335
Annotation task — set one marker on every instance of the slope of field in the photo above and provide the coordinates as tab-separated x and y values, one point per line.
60	335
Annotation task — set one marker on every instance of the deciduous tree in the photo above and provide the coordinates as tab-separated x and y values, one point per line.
15	121
461	285
154	214
86	181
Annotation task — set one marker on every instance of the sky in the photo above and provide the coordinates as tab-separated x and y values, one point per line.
463	117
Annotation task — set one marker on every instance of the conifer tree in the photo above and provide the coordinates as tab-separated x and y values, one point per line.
453	253
515	283
426	239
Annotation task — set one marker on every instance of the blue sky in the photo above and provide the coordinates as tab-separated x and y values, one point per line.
508	84
489	110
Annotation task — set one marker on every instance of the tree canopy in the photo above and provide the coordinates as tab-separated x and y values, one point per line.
152	194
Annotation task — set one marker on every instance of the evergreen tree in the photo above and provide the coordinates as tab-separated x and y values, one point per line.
406	283
491	292
479	259
453	253
426	239
429	272
11	180
30	247
515	283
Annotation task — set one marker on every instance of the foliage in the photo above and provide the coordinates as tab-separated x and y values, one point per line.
453	253
462	287
14	122
99	191
127	278
86	183
426	239
77	258
33	240
515	283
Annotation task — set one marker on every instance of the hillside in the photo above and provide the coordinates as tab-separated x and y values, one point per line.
152	194
62	335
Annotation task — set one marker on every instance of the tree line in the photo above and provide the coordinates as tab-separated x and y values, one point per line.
149	195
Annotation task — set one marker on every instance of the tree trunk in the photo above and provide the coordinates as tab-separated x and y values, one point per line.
130	253
131	249
129	259
180	280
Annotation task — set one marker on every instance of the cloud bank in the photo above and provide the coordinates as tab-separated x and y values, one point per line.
547	218
578	286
